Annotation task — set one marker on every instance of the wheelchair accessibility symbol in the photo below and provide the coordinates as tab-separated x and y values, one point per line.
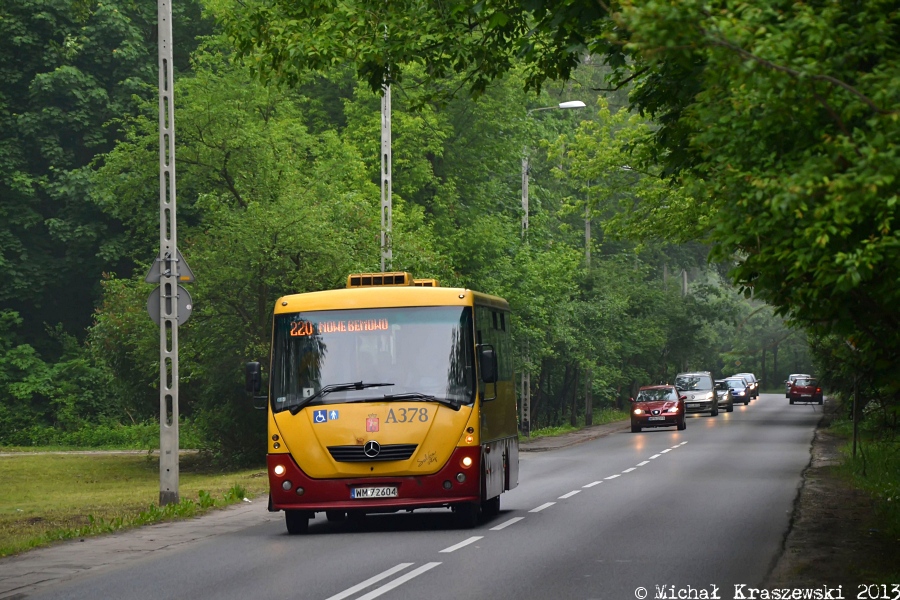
320	416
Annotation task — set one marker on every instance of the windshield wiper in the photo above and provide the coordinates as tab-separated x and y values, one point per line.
416	396
334	387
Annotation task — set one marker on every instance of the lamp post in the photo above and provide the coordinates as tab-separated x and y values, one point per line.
525	388
561	105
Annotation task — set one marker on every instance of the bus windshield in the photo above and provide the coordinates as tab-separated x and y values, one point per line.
391	352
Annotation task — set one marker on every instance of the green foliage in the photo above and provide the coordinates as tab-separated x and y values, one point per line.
69	76
135	436
776	124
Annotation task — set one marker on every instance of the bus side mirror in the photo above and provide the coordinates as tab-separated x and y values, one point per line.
252	378
487	363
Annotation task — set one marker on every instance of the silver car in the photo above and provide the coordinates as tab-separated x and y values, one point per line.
700	392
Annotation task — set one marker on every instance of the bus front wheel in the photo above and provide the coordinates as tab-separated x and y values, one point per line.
466	515
491	508
297	521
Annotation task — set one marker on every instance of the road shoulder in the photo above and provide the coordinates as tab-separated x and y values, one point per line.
834	537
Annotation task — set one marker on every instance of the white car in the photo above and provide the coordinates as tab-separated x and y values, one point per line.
791	379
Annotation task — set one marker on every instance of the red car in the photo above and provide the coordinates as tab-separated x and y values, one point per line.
657	406
806	389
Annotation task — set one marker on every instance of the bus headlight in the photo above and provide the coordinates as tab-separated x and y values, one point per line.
278	470
466	462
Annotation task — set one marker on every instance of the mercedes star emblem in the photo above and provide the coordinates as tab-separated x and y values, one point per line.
371	449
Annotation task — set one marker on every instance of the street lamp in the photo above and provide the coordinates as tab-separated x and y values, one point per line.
526	376
561	105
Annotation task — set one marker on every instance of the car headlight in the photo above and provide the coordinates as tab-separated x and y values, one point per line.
638	411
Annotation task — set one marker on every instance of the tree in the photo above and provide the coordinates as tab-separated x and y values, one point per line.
71	70
780	117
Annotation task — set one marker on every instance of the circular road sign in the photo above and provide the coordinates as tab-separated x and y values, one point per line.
185	305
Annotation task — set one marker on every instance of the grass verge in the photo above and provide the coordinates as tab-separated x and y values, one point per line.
876	470
50	497
601	417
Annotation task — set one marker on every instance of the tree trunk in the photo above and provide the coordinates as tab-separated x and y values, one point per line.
573	418
775	360
588	398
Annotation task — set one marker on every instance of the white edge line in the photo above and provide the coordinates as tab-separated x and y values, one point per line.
569	495
507	523
369	581
592	484
613	476
471	540
641	464
654	456
542	507
629	470
399	581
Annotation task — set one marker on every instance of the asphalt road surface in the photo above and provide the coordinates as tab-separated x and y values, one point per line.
659	514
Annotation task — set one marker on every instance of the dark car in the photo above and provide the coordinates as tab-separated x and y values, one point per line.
740	389
726	398
754	384
790	380
700	392
657	406
806	389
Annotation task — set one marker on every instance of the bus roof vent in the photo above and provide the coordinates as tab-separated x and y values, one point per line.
425	282
357	280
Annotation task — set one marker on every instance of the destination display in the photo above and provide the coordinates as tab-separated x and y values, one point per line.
307	328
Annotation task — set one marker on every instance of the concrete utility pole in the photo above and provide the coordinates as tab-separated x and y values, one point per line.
168	268
387	253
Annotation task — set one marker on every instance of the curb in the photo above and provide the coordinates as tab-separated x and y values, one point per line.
545	444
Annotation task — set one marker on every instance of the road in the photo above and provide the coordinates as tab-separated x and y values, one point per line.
703	509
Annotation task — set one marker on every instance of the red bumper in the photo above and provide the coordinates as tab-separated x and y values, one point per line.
413	491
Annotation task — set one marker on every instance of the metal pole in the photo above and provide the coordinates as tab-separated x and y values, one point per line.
855	413
387	254
524	192
526	403
168	281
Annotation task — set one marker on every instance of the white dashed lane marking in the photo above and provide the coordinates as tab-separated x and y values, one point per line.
666	450
592	484
613	476
569	495
641	464
654	456
629	470
506	524
471	540
542	507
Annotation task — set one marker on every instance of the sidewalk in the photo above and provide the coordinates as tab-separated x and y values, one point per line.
31	571
543	444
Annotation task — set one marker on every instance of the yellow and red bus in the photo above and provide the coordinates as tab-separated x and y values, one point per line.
391	394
